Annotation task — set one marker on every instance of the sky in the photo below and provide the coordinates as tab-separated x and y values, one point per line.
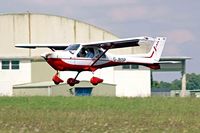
178	20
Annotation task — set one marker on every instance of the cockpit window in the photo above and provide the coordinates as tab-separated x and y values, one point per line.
100	53
72	48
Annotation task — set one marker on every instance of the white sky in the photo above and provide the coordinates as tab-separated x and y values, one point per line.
178	20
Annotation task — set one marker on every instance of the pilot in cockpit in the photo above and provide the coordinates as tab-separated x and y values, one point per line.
86	52
90	53
82	53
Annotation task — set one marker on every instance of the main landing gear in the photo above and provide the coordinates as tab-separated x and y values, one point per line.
56	79
73	81
95	80
70	81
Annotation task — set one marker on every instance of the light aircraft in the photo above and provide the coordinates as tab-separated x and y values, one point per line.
92	56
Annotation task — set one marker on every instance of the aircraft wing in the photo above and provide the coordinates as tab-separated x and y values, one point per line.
51	46
111	44
119	43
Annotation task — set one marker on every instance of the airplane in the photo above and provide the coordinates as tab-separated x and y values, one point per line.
92	56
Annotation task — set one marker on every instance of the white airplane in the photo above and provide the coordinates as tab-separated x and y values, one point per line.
92	56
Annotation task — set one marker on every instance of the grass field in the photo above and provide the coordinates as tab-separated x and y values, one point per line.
99	114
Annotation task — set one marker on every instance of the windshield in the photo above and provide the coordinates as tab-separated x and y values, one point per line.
72	48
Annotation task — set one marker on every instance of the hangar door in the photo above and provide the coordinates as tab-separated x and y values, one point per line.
83	91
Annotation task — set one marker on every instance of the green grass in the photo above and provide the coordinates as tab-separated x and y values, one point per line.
99	114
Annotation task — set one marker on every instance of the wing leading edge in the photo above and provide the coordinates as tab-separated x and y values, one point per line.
112	44
119	43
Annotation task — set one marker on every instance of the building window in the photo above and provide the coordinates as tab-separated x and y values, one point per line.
134	66
130	66
126	67
83	91
15	64
5	64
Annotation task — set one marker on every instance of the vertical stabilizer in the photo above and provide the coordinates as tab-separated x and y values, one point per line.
157	48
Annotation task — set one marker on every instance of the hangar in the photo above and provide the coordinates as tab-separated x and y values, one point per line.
22	66
48	88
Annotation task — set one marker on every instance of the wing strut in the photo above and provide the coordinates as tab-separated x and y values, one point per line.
107	48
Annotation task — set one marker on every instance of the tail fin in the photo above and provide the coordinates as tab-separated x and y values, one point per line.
156	50
150	58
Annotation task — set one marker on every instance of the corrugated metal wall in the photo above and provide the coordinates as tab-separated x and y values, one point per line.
41	28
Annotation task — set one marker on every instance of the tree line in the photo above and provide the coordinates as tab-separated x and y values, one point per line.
193	83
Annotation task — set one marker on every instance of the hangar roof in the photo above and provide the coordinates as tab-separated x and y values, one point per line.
178	65
50	83
46	14
174	58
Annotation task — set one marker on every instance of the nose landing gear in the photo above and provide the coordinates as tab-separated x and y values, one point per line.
72	81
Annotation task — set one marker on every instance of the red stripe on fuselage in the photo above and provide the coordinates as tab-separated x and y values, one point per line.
59	64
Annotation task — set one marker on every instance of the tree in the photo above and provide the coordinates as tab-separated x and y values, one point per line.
155	84
165	84
161	84
176	84
193	82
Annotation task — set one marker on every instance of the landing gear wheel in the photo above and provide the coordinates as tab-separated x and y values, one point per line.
56	83
95	80
56	79
72	81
